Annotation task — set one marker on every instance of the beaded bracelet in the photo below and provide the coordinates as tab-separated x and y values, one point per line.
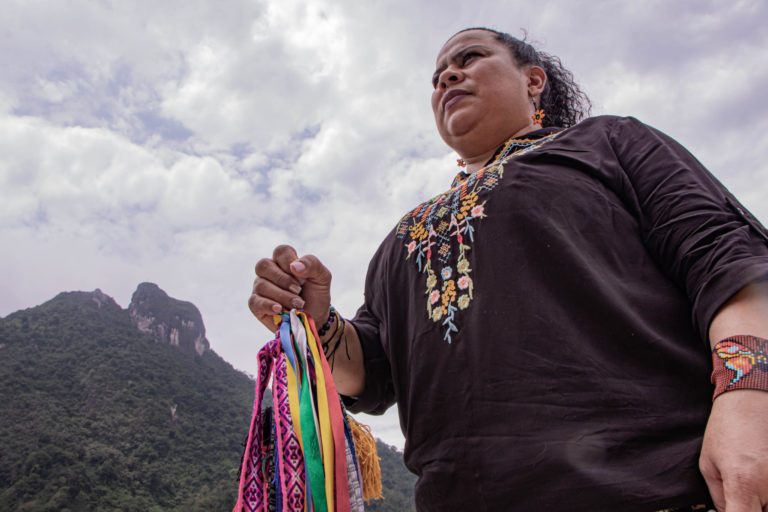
331	346
327	325
740	362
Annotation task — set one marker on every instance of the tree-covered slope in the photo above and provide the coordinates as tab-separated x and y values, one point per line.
97	415
397	482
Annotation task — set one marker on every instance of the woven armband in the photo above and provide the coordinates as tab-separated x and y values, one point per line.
740	362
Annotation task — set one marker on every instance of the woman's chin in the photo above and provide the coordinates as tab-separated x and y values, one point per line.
459	126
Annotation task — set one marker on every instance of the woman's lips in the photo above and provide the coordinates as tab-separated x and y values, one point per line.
453	97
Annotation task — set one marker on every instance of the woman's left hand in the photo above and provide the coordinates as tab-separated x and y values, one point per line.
734	456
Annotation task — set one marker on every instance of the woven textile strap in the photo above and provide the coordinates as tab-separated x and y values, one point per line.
252	492
292	475
353	474
289	477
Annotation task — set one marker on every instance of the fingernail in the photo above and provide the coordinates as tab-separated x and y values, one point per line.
298	266
295	288
277	308
297	303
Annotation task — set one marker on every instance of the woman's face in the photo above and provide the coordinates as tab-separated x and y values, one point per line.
481	97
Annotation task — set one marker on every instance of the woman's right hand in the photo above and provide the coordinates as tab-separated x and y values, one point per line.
286	281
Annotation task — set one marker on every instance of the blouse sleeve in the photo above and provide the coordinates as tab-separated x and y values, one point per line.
701	236
378	394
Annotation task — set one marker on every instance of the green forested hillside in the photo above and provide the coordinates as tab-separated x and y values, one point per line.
397	481
87	421
95	415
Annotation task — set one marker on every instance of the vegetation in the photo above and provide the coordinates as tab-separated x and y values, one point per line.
397	482
95	415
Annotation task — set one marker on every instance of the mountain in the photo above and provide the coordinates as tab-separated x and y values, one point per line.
104	408
168	320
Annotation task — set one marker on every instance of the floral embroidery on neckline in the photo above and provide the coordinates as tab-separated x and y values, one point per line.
433	231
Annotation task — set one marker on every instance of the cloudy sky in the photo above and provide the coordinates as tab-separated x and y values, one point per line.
179	142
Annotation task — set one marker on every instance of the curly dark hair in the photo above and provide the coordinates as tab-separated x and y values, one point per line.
563	101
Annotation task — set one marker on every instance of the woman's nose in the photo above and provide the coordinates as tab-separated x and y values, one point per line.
449	76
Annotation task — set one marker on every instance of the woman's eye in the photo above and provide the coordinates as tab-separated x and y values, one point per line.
468	57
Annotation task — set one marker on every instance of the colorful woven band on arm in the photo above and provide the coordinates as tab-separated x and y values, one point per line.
740	362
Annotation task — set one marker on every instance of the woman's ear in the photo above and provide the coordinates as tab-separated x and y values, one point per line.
537	79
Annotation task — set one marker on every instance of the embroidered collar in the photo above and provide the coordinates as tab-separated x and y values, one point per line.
522	141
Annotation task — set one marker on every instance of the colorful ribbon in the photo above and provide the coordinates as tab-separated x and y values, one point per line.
311	465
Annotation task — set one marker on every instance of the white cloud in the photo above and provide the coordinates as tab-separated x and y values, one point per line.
69	177
179	142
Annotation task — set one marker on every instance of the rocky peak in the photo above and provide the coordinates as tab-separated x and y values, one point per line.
168	320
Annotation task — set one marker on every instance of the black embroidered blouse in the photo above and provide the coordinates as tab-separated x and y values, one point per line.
543	324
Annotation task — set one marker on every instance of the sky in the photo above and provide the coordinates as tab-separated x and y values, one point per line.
179	142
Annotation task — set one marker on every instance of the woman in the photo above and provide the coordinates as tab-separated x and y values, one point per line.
545	324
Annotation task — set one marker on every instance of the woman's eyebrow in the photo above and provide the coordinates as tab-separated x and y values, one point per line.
455	56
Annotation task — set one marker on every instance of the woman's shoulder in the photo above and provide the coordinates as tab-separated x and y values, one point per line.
606	130
607	122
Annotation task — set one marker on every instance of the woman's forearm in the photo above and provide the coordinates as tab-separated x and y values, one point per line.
348	368
745	313
735	447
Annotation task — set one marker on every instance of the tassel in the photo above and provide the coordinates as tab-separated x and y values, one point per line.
368	459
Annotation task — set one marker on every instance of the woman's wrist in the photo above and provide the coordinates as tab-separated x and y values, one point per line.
330	328
324	328
334	336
